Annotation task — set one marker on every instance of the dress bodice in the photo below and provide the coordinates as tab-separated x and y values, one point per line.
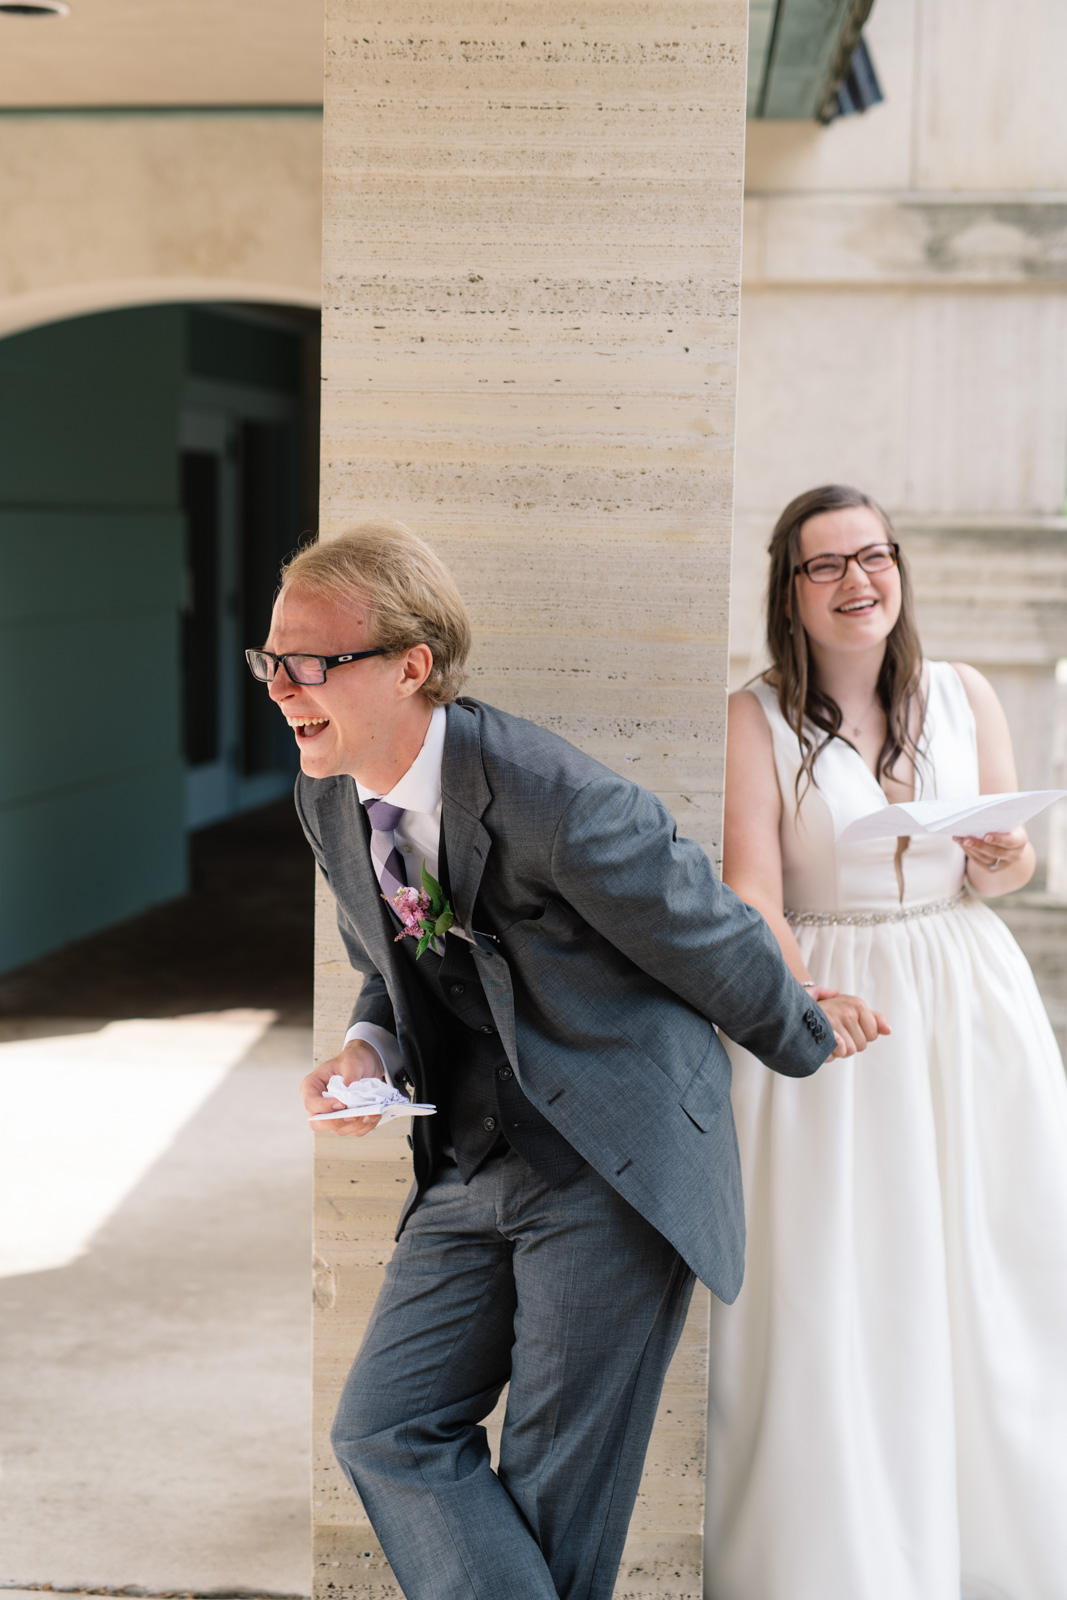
821	875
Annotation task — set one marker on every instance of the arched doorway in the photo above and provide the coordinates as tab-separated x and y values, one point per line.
157	463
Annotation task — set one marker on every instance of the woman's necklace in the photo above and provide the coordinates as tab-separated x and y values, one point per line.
857	727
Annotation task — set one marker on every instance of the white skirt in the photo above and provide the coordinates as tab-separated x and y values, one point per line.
888	1395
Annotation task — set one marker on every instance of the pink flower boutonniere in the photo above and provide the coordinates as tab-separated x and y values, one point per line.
425	912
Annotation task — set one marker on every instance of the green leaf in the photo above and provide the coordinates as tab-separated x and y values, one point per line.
434	890
443	923
424	944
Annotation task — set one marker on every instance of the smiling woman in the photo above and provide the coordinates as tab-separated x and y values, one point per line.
821	530
902	1429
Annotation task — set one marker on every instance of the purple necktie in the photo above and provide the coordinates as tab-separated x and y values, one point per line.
388	862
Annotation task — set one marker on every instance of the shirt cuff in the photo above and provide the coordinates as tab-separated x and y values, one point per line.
386	1044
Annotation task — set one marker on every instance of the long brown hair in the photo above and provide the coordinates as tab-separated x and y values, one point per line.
799	698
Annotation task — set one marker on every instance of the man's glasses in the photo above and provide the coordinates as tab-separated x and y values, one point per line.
301	669
828	568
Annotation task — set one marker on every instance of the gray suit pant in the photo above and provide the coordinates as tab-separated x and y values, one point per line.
576	1301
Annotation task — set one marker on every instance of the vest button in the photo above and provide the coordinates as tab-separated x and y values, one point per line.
489	1124
458	988
485	1028
504	1072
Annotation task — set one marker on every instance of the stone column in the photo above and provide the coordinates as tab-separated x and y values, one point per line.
532	261
1057	851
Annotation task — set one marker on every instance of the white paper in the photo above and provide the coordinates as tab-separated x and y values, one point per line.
987	813
370	1097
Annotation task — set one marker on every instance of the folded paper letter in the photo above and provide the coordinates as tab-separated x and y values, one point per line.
370	1097
987	813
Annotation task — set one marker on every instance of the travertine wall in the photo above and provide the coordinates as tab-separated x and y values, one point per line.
529	350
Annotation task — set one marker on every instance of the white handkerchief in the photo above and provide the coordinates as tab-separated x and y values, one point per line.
370	1097
987	813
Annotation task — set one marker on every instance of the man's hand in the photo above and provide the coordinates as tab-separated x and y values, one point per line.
855	1025
357	1060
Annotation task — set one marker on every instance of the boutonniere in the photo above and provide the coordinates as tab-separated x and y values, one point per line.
425	912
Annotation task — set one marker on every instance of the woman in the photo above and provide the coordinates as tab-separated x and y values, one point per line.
888	1413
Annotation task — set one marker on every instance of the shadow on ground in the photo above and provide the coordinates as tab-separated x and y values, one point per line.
242	937
155	1392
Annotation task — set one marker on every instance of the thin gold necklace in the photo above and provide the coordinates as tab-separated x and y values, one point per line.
857	727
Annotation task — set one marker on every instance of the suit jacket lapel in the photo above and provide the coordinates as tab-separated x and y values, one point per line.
356	886
464	796
359	886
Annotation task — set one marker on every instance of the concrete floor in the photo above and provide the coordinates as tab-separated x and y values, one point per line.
154	1391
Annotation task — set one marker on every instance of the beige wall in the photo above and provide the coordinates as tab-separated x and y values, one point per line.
530	301
973	105
165	52
106	209
904	327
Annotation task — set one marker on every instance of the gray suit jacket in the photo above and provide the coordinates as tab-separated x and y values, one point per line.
608	951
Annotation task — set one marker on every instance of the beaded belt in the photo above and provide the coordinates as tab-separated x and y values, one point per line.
872	919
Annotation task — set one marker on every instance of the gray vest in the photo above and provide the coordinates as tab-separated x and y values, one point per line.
483	1108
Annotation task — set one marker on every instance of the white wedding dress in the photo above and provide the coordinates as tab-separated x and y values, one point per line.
888	1396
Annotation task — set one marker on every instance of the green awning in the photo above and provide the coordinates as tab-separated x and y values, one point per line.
798	54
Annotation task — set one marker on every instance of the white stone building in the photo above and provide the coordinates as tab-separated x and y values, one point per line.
904	328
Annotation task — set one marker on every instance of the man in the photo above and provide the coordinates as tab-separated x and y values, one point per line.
582	1164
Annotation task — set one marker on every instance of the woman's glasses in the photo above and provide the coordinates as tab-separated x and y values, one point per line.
830	567
301	669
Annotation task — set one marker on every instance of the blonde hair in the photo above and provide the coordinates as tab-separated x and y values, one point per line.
413	596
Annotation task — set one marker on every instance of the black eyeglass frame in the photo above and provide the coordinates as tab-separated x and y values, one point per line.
887	544
325	663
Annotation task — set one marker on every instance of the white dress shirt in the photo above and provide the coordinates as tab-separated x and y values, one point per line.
418	838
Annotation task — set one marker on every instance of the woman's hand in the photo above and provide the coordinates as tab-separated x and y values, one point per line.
995	852
854	1023
999	862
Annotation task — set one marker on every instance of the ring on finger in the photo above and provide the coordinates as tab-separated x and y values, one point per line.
993	865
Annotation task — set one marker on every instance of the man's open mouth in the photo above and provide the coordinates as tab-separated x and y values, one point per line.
307	727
